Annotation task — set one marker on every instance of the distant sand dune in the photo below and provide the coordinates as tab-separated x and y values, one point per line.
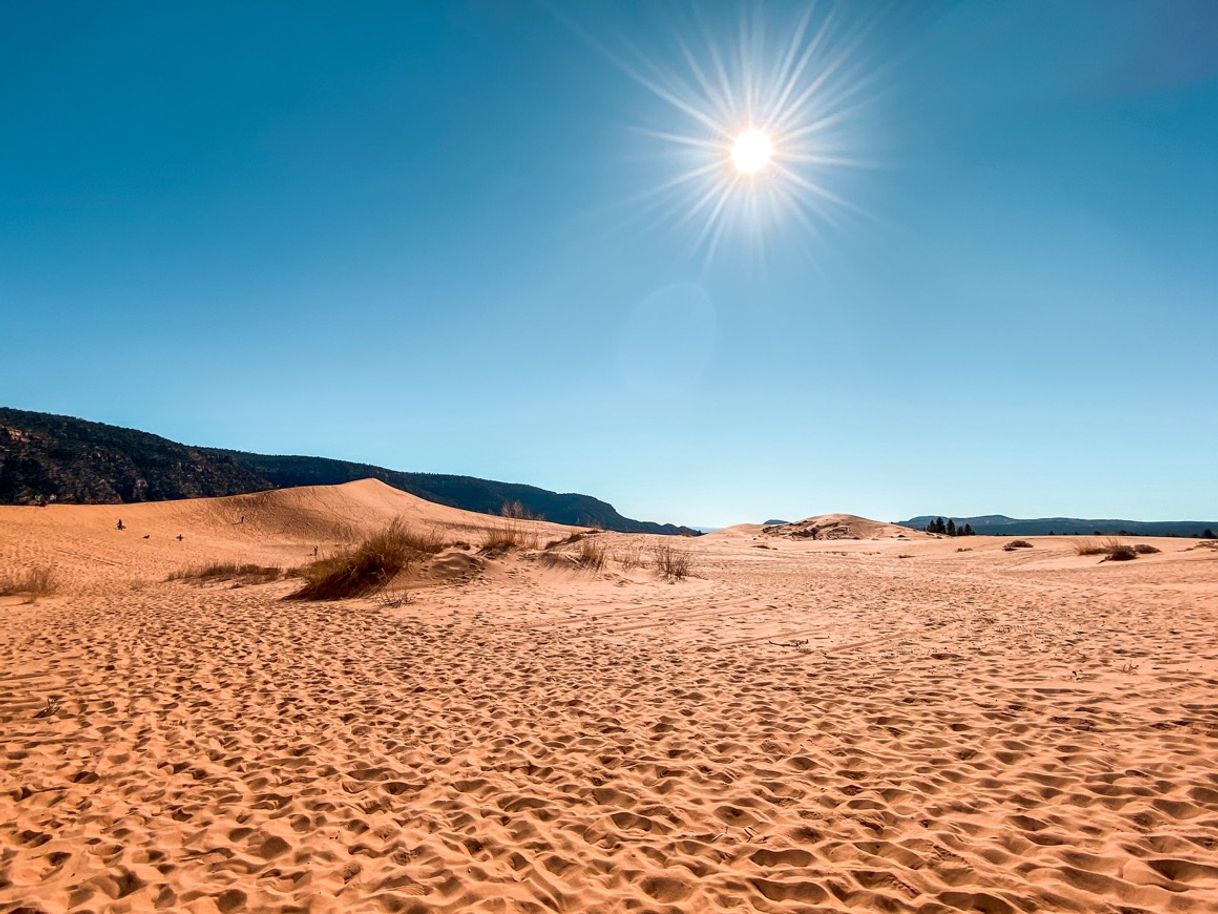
816	726
842	527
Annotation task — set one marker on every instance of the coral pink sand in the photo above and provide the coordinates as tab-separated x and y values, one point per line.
835	726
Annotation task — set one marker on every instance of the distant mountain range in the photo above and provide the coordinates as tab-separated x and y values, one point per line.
43	456
1001	525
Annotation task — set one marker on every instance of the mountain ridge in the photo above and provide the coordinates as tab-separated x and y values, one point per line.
45	456
1002	525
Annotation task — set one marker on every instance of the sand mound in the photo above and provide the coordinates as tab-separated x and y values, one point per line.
283	527
840	527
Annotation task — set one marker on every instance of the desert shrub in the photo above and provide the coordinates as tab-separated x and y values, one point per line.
1118	551
368	566
1088	547
591	552
964	548
566	540
1146	549
227	571
1016	544
672	564
510	534
32	583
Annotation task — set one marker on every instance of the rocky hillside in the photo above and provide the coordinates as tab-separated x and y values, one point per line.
45	457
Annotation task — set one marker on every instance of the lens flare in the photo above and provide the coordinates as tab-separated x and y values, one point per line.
751	151
753	132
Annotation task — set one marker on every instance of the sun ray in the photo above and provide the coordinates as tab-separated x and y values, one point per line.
760	115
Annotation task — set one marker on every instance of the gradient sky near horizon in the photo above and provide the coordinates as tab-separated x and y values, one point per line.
408	234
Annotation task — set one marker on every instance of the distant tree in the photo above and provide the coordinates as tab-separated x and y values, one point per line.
1208	534
968	530
951	527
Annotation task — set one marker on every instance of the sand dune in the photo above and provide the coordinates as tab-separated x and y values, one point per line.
803	725
841	527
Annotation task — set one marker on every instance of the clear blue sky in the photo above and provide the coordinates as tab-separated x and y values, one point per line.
408	234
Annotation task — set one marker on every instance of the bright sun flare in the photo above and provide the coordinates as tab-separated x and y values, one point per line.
751	151
755	130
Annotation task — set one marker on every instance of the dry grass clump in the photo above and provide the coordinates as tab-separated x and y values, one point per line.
1088	547
591	553
1118	551
227	571
368	566
511	534
672	564
1016	544
1114	550
566	540
32	583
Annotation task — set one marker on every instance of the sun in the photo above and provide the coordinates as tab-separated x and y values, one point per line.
755	132
751	151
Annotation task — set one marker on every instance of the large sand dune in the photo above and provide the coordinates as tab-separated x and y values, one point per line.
855	725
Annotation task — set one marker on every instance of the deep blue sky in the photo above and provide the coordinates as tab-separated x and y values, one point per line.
408	234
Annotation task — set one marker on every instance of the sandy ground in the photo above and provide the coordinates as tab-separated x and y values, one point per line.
885	725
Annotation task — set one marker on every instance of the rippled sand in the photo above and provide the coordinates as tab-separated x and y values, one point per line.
848	726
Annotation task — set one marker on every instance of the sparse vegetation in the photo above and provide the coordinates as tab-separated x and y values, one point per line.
516	510
1088	547
228	571
510	534
566	540
32	583
392	599
1016	544
672	564
1113	549
367	567
591	552
629	556
1119	552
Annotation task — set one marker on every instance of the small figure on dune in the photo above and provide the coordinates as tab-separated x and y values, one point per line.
119	525
179	537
